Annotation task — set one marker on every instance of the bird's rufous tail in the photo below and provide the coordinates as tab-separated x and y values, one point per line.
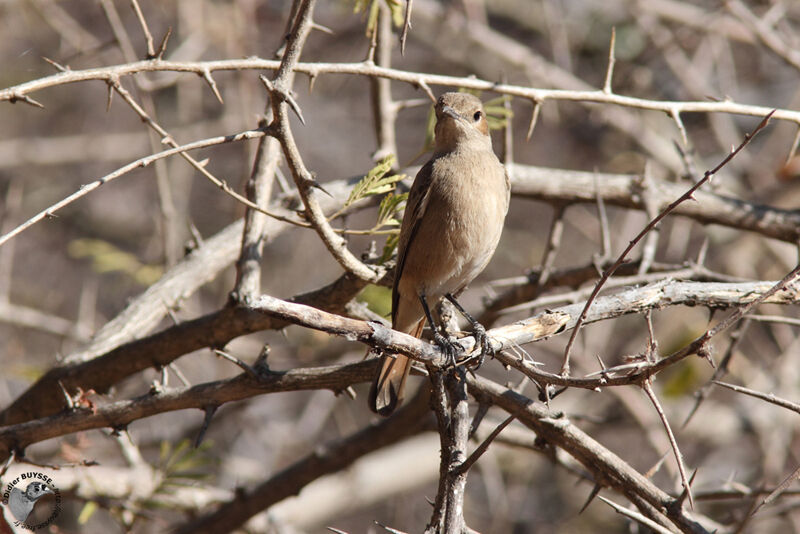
389	385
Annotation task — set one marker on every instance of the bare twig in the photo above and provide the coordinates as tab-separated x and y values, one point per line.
775	319
651	209
765	32
246	367
780	490
406	26
537	107
484	446
648	389
260	182
148	37
545	324
553	244
258	190
167	139
14	98
162	47
661	293
769	397
686	196
636	516
144	162
721	370
602	216
384	110
611	60
440	408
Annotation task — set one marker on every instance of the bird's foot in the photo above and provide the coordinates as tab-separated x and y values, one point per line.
449	347
482	341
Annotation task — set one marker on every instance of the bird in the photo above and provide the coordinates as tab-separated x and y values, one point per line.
452	224
21	502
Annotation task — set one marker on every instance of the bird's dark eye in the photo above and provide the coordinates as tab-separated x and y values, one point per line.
477	116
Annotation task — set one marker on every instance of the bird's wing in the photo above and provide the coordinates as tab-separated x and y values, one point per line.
415	209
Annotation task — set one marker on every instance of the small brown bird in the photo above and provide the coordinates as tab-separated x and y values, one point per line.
452	223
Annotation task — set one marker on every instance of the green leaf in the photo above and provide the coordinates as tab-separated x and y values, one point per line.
181	465
398	15
183	458
360	5
390	205
177	454
376	182
372	18
184	465
430	130
388	247
497	114
683	379
107	257
156	504
164	452
371	8
187	478
377	298
87	512
497	101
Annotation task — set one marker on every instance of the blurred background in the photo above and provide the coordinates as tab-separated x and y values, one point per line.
80	268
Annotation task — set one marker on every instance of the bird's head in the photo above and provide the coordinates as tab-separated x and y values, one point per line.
35	490
460	118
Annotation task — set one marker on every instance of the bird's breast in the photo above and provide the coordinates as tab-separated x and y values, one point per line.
463	221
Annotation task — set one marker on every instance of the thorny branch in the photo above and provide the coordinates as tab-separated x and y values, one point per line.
262	176
314	70
235	321
141	163
304	180
650	225
15	438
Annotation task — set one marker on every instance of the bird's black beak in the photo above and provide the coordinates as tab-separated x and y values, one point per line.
447	110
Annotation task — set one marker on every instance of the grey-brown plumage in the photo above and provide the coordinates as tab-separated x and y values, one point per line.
452	223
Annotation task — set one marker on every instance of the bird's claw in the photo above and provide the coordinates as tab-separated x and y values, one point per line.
450	348
482	341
